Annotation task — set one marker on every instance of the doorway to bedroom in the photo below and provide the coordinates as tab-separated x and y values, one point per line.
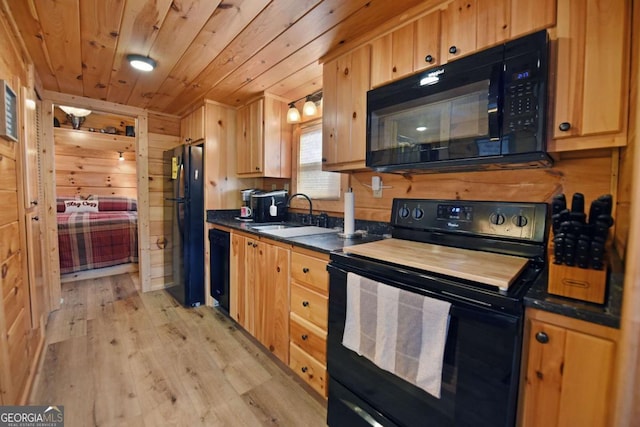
96	193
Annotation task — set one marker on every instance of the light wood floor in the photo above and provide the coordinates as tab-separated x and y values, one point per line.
115	357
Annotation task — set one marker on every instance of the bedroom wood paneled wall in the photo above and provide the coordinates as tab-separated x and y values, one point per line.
164	134
87	164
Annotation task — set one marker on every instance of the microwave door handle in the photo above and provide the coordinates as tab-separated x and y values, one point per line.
493	106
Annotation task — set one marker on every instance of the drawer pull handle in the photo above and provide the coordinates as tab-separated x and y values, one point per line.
305	303
278	269
304	337
304	369
305	270
248	243
542	337
255	245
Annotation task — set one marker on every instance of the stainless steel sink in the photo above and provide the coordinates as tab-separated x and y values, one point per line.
286	230
269	227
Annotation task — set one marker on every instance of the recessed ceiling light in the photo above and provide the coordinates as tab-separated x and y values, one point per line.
142	63
421	128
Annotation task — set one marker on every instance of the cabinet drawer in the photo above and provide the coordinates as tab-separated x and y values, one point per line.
309	305
10	274
309	369
310	271
309	338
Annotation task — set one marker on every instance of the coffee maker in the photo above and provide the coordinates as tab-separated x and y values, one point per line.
269	207
245	210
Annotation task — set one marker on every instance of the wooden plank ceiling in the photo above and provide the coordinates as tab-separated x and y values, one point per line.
227	51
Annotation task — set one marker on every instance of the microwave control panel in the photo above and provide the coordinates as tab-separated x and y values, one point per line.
521	104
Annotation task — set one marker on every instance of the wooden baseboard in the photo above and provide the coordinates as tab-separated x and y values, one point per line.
99	272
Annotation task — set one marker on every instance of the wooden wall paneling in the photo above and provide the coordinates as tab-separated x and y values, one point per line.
590	176
164	124
160	239
97	120
627	410
47	153
142	151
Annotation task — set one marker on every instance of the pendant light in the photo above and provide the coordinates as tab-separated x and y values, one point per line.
293	115
309	108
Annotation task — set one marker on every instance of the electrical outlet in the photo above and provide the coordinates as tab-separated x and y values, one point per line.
273	187
286	187
376	186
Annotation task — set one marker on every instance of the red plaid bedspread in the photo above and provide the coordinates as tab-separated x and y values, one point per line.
97	239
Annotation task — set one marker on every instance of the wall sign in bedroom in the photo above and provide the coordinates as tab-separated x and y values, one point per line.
8	113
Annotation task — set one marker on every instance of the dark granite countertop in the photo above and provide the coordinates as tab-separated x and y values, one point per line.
324	243
607	314
537	297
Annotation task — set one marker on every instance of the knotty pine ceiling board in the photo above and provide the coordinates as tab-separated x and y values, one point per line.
224	50
223	26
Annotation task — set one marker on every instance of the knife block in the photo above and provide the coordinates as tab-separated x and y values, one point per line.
578	283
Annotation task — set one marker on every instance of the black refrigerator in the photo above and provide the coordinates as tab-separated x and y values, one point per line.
187	207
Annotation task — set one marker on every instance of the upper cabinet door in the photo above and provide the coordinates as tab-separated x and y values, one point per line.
426	49
459	23
592	70
392	55
529	16
344	122
192	126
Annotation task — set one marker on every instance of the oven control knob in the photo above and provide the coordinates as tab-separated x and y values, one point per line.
496	219
404	212
519	220
418	213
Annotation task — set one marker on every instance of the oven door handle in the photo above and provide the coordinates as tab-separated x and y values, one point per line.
494	106
366	417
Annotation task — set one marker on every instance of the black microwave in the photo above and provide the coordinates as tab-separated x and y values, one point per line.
484	111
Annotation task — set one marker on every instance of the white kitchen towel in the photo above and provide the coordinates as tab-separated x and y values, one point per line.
401	332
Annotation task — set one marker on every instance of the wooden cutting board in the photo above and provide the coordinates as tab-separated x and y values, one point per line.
478	266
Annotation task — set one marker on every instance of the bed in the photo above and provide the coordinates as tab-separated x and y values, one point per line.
96	233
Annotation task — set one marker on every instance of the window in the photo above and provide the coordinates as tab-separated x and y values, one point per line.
311	179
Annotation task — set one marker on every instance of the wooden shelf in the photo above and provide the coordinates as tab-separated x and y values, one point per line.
93	140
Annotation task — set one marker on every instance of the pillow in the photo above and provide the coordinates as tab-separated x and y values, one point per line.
80	206
60	207
116	203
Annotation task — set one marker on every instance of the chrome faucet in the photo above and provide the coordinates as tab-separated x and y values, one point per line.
310	217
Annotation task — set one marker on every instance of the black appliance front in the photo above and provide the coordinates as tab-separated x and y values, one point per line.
483	111
480	372
261	206
188	225
219	245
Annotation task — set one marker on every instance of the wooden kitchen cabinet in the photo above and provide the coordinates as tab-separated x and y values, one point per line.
309	317
568	372
592	42
472	25
263	139
392	55
192	126
410	48
346	81
259	290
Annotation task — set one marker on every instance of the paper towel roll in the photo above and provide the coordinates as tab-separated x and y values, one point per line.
348	213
